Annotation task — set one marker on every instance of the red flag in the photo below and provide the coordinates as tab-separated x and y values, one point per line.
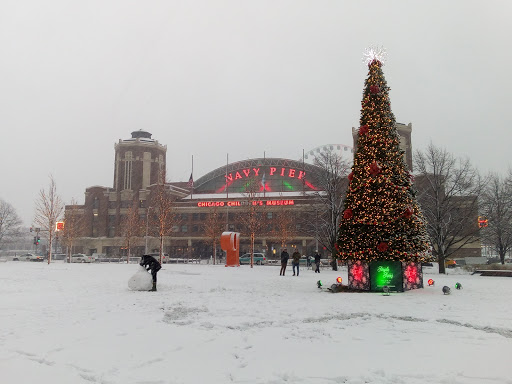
190	183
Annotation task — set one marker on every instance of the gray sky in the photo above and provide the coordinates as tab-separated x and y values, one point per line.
208	78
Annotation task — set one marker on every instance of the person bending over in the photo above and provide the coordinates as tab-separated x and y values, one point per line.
151	264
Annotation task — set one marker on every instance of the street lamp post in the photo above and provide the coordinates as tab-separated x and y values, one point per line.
147	225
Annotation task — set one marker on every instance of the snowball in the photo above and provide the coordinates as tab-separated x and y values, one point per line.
141	281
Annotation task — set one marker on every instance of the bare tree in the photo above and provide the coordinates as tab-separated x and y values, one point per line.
497	208
332	184
73	227
131	228
213	227
163	215
49	209
10	222
283	226
448	193
253	219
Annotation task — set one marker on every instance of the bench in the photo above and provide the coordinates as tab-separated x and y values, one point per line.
494	272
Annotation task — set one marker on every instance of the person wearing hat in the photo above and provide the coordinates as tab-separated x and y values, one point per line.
151	264
284	261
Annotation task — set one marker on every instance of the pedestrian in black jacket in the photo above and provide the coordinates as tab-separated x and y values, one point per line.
317	262
284	261
151	264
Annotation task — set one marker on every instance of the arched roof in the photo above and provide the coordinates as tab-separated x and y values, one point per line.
282	174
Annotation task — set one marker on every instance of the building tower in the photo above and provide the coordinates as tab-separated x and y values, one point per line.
139	162
404	130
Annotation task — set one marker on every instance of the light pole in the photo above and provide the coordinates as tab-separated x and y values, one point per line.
147	225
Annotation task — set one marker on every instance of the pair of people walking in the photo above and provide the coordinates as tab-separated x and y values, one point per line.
284	262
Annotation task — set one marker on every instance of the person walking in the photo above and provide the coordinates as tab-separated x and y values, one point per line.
296	262
317	262
284	261
151	264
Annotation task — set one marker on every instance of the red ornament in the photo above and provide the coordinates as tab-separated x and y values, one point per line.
350	176
363	130
374	89
383	246
347	214
408	212
375	168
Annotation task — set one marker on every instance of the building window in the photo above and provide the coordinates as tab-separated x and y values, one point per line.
175	228
195	216
195	228
96	203
269	215
111	231
184	216
128	165
184	228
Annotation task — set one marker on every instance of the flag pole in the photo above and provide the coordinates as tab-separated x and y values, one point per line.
227	194
191	175
263	181
304	172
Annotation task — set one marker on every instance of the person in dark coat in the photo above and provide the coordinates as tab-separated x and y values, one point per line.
317	262
151	264
296	262
284	261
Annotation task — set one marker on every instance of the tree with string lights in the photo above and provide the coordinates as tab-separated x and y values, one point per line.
382	231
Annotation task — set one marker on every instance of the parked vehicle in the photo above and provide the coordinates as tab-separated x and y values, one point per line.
81	258
26	256
259	259
58	256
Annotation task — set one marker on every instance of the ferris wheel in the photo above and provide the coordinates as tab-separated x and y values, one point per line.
344	151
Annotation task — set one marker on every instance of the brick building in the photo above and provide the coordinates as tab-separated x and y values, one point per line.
284	187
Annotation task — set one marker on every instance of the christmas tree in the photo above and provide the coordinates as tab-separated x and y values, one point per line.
381	218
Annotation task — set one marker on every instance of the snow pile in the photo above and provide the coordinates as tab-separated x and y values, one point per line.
141	281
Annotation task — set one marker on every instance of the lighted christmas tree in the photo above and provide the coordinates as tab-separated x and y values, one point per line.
381	219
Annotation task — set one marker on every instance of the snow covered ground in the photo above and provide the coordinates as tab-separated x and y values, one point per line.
79	323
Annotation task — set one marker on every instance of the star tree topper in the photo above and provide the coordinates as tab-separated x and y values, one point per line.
374	53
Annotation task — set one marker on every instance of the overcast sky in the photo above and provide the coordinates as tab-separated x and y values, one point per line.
208	78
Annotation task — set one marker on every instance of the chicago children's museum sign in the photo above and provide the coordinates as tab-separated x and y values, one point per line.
240	203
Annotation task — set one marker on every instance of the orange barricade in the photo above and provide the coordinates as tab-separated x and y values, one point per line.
230	242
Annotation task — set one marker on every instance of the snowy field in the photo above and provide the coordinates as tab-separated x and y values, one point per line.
80	323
